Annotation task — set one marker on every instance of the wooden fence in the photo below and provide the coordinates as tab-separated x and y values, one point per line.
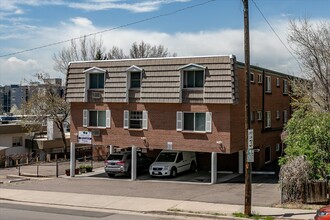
317	192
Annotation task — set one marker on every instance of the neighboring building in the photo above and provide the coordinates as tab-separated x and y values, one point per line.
16	142
16	95
182	103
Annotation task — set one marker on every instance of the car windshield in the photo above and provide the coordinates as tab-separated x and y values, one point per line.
166	157
115	157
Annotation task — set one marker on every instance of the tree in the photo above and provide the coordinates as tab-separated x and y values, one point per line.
145	50
85	49
93	49
293	177
308	135
116	53
47	103
311	43
99	55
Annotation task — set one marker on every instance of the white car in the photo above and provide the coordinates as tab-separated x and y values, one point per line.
170	163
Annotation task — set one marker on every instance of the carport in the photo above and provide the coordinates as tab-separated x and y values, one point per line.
212	158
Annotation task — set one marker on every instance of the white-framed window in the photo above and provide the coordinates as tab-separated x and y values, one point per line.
278	147
136	120
17	141
278	82
193	79
194	121
97	118
285	86
285	116
259	78
259	115
268	154
252	77
135	80
278	115
268	84
134	77
268	117
96	80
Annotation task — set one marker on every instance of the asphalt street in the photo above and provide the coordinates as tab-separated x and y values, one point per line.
32	212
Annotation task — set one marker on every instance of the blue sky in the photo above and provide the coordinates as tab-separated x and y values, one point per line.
215	27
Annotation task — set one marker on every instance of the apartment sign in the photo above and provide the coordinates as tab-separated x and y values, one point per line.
85	137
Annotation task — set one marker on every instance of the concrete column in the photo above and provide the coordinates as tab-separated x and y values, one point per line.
48	157
214	170
133	163
240	161
72	159
111	149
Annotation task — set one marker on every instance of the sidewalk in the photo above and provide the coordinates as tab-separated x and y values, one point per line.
138	204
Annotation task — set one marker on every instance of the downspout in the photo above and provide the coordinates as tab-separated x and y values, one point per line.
263	101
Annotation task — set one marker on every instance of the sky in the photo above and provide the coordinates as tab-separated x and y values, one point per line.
197	28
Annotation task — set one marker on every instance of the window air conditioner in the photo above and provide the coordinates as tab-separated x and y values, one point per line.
96	95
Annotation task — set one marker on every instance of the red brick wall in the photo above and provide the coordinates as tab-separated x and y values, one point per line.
161	126
272	102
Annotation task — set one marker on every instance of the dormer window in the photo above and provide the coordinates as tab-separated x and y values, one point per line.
193	79
193	76
95	78
134	76
96	81
135	80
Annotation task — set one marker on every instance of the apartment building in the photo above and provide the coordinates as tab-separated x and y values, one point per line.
182	103
16	95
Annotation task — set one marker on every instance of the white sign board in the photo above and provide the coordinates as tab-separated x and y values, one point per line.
250	156
85	137
250	139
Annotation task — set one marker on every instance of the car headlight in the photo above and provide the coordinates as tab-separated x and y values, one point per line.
166	167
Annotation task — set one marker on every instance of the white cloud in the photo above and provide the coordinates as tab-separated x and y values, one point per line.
84	22
15	71
137	7
266	50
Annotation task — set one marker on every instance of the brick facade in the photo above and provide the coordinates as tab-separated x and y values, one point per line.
228	118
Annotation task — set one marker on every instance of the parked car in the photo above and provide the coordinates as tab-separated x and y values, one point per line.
323	213
120	162
170	163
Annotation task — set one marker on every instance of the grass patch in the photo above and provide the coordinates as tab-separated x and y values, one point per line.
253	216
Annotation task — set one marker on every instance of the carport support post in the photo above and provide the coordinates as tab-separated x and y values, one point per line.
72	159
111	149
133	164
214	170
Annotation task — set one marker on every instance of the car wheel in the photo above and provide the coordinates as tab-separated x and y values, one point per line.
174	172
193	166
111	174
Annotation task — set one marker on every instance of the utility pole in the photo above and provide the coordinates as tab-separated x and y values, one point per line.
248	150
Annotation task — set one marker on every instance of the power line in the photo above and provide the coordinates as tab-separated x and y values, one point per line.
276	33
111	29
